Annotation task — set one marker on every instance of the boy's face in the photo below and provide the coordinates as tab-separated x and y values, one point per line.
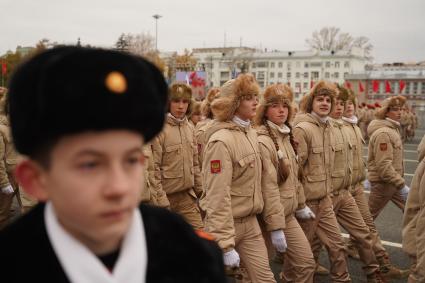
322	105
94	182
178	108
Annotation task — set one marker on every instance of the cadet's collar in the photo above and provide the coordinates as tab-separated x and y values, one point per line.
284	129
352	120
240	122
176	120
324	120
393	121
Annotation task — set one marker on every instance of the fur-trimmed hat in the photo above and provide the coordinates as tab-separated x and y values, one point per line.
274	94
70	90
212	94
321	88
195	108
180	91
395	101
343	93
231	93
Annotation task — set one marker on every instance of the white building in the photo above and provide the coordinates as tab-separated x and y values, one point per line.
300	69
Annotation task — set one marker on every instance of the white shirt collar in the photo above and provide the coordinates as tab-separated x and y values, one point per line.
321	119
352	120
284	129
393	121
241	122
82	266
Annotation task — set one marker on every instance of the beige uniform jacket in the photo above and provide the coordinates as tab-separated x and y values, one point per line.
385	159
200	131
175	157
9	156
232	179
356	143
343	161
287	191
316	146
414	215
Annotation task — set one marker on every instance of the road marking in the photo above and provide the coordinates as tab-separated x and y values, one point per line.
386	243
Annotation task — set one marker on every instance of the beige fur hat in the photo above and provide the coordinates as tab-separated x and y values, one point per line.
395	101
325	88
277	93
212	94
231	93
195	108
180	90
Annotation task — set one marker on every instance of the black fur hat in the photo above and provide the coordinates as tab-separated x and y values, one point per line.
69	90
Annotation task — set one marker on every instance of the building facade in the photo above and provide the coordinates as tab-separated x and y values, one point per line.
406	79
299	69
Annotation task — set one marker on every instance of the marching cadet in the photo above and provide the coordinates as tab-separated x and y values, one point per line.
387	269
280	176
414	220
232	180
385	157
203	125
345	208
87	171
176	158
404	122
194	113
151	194
316	145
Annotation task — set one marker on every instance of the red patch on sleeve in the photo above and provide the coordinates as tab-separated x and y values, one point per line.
204	235
383	146
215	166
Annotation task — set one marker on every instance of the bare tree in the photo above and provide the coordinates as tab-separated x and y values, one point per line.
330	38
141	44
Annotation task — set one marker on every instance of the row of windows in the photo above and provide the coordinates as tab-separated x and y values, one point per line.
298	75
328	64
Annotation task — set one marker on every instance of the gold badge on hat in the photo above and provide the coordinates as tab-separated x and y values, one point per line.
116	82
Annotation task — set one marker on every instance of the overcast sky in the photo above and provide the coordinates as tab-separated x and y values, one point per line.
396	28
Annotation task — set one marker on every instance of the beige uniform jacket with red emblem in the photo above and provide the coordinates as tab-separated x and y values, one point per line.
280	196
175	155
231	178
385	158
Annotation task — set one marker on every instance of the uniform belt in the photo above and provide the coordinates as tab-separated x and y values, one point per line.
340	192
243	219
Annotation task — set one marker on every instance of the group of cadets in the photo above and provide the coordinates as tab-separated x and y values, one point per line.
268	178
409	119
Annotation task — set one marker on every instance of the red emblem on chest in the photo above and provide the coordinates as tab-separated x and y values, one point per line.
215	166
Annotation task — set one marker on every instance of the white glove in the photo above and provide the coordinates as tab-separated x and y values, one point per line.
366	184
279	240
8	190
231	258
404	192
305	213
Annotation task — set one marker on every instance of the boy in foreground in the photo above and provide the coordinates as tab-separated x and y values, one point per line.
81	117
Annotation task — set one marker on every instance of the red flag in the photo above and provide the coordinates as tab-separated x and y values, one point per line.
375	86
348	85
3	69
361	88
387	87
402	85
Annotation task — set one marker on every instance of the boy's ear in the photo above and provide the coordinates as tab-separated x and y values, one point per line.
30	178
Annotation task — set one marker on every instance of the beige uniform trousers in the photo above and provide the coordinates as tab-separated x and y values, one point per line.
184	203
380	195
249	243
361	202
298	264
325	227
349	217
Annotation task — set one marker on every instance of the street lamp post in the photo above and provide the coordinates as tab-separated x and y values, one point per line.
156	17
